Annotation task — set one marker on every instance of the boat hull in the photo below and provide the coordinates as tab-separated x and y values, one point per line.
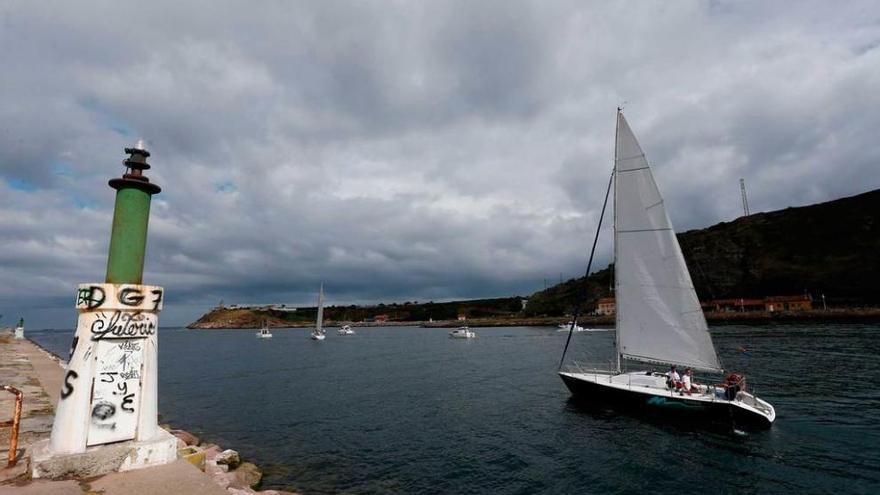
665	403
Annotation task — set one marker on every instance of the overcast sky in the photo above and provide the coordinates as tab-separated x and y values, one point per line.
406	150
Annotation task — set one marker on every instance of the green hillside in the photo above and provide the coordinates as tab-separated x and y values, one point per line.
828	248
396	312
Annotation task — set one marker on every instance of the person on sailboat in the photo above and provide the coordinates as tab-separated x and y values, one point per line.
688	381
733	384
673	379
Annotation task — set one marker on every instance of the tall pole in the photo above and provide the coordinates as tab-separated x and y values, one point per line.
742	188
131	214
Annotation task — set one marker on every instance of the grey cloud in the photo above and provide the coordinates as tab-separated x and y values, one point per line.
406	151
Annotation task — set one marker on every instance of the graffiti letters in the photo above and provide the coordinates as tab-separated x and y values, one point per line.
91	297
110	348
129	375
130	297
127	401
110	297
157	298
130	345
123	325
68	387
119	366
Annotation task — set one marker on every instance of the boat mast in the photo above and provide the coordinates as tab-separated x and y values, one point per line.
614	242
319	324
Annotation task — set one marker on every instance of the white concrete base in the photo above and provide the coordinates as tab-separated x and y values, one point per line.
19	333
103	459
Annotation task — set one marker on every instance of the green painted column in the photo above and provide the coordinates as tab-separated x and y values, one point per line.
131	215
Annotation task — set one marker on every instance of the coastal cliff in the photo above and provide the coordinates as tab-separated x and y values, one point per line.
406	313
825	249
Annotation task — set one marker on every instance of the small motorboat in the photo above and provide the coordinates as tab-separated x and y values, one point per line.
264	332
564	327
462	333
345	330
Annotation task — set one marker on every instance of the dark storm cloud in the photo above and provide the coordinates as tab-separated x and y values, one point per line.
406	150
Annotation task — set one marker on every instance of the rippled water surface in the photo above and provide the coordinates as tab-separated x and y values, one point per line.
408	410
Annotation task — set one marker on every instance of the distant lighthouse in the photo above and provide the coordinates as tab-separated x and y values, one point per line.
19	329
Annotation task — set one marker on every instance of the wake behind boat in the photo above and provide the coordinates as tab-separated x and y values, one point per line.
658	319
578	328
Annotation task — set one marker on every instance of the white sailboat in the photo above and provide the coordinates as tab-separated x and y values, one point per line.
318	331
264	332
659	319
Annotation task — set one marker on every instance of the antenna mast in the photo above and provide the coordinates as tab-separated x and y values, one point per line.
742	187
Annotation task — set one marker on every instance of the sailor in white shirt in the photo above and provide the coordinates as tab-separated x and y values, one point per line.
688	380
673	379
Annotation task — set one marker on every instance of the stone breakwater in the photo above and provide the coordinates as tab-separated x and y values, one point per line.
224	466
202	468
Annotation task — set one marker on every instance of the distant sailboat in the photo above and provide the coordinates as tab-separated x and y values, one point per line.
318	331
345	330
659	318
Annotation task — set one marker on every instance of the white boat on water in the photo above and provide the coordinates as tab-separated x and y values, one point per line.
565	327
318	331
658	319
264	332
462	333
345	330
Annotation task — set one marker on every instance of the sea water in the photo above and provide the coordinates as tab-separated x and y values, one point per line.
409	410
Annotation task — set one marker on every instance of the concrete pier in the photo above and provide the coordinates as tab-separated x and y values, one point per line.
40	375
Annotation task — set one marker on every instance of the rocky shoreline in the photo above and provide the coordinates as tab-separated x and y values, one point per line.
224	466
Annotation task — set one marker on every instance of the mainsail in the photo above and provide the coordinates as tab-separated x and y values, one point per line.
659	318
319	323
